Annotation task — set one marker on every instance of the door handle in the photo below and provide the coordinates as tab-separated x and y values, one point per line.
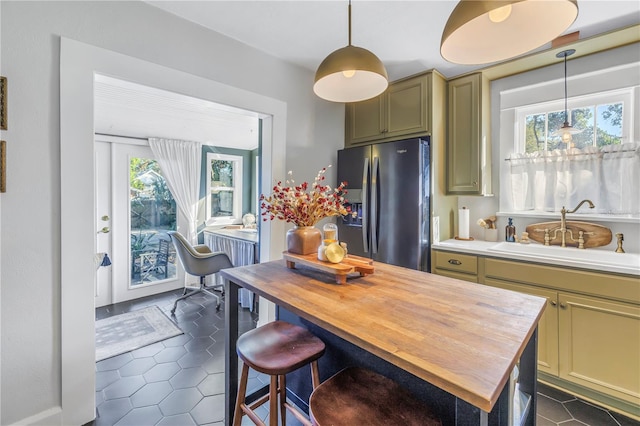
104	230
374	205
365	202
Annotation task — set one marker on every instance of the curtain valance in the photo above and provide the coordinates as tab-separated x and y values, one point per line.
547	181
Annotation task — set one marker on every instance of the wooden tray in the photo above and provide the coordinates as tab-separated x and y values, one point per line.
595	235
349	264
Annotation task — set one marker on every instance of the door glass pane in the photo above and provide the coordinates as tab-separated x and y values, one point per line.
152	214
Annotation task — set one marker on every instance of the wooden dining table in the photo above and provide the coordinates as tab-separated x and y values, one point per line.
462	338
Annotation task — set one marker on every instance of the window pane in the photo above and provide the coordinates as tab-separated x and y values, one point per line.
221	173
222	203
556	120
609	122
582	119
534	132
153	213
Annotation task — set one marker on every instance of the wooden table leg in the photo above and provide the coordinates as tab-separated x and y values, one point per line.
230	358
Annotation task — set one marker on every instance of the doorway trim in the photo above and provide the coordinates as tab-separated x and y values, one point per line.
79	62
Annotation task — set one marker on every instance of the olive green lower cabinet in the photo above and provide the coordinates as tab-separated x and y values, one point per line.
455	265
589	335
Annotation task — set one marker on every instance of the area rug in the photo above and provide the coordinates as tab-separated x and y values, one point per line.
132	330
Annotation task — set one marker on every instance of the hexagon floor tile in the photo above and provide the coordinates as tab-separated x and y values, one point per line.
180	381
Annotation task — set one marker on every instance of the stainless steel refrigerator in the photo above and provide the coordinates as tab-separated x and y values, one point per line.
388	188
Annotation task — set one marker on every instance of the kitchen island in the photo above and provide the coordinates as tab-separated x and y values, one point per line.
462	340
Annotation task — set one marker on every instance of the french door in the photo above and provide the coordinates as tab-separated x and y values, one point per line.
133	195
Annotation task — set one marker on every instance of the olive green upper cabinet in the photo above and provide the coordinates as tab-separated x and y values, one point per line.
468	144
401	111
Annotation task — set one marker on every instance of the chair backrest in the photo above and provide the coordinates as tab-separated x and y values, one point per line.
195	263
163	253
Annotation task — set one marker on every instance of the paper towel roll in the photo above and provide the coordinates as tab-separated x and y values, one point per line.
463	223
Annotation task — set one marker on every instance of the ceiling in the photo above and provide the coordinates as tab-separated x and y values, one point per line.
405	35
123	108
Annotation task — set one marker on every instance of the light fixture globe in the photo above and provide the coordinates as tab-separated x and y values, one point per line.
485	31
350	74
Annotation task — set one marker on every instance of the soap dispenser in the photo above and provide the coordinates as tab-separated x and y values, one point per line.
510	232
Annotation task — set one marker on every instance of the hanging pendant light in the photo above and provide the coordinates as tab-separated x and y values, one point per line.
566	132
350	74
484	31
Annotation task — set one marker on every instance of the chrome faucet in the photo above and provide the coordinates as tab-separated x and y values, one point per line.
563	221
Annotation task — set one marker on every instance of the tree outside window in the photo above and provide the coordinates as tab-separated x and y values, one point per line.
599	125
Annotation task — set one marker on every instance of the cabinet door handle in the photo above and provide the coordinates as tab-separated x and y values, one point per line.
563	305
455	262
553	302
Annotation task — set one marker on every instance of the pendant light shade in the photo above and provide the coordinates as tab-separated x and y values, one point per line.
350	74
485	31
566	132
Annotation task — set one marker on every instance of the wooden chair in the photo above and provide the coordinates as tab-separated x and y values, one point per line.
356	396
276	349
155	263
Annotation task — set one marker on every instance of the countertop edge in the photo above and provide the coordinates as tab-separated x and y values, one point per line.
481	248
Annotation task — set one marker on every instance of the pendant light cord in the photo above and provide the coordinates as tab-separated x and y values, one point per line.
564	55
566	113
349	22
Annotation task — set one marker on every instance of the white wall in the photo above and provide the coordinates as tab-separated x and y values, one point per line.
30	236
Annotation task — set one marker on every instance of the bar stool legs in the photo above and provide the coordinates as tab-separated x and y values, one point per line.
275	349
277	398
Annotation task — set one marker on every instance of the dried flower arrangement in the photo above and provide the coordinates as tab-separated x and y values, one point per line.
488	223
295	204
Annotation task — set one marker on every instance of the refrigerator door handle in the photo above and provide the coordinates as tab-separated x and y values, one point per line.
365	201
374	205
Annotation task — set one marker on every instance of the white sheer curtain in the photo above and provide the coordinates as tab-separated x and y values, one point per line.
547	181
180	162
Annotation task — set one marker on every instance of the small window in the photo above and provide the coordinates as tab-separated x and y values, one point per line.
601	120
224	188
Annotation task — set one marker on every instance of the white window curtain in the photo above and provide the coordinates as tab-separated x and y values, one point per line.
180	162
548	181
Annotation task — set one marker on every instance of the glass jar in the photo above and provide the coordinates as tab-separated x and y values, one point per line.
330	231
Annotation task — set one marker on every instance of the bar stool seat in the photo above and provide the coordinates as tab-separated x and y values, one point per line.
356	396
276	349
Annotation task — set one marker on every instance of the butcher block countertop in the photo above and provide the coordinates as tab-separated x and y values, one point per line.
461	337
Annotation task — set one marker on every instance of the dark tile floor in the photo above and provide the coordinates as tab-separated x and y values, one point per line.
180	381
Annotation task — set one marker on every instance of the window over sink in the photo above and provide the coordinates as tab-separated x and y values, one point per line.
542	174
602	119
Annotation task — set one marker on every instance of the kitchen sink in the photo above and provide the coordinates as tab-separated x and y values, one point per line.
571	254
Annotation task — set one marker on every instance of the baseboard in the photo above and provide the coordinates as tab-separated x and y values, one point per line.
50	417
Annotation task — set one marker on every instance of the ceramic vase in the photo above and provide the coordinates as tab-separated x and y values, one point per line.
491	234
303	240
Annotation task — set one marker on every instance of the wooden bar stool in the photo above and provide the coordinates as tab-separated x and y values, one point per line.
275	349
356	396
